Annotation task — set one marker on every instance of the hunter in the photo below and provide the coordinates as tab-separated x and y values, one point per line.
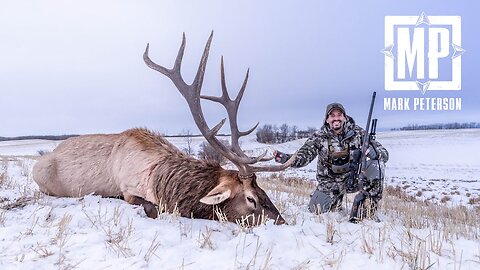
338	147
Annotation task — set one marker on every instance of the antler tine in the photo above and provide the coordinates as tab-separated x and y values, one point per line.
165	71
245	133
174	73
198	81
216	128
237	100
274	168
224	98
224	84
266	158
239	97
259	158
178	61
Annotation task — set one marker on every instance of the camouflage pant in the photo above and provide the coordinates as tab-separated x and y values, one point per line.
336	189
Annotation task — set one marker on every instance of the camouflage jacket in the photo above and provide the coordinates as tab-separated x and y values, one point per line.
324	142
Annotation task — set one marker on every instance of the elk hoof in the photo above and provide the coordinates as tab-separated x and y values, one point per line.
150	210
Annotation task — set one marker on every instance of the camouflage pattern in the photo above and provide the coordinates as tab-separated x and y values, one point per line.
320	202
375	173
324	143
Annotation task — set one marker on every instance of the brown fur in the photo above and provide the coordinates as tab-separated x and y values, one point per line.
146	169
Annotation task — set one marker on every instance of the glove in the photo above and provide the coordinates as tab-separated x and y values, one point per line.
380	151
280	157
372	152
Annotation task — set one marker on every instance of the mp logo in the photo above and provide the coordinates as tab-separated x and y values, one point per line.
423	53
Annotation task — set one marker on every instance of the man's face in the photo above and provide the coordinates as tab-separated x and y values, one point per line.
335	120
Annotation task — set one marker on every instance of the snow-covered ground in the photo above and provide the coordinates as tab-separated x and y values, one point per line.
42	232
26	147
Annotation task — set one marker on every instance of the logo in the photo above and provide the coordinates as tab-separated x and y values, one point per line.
423	53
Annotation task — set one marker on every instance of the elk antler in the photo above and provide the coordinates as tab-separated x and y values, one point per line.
191	93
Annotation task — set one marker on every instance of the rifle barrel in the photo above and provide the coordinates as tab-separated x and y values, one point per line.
365	142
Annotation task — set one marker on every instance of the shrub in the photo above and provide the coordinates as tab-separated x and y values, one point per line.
208	152
42	152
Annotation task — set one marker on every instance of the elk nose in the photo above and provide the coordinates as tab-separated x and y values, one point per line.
280	221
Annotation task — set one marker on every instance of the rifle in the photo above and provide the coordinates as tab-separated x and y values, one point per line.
362	194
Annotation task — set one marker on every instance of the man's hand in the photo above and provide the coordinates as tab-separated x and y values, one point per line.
372	152
280	157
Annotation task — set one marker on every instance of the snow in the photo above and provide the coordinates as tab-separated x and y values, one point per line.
26	147
42	232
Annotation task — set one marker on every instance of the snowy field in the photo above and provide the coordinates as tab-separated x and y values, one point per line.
440	169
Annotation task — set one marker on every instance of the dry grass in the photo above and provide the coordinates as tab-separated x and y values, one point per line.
152	249
254	261
474	201
4	173
117	233
17	203
42	251
444	223
330	230
396	203
2	218
413	213
249	222
289	194
297	186
445	199
205	240
24	194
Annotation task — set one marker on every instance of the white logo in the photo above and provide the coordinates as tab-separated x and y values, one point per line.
408	39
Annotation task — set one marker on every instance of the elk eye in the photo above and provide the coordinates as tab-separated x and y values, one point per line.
250	199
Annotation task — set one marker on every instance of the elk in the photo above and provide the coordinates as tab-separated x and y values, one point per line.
145	169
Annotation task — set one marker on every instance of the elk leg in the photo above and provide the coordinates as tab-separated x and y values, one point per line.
149	207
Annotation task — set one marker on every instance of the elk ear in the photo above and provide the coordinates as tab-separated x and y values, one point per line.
217	195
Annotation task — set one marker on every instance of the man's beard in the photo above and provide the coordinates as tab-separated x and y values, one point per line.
335	127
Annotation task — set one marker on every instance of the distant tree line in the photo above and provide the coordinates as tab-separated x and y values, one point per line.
280	134
45	137
440	126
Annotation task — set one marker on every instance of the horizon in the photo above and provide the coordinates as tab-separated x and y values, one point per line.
183	133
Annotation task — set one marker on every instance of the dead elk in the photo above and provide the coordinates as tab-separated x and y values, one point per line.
145	169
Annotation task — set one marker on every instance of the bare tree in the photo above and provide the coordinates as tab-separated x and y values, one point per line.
283	133
294	133
188	149
266	134
311	130
208	152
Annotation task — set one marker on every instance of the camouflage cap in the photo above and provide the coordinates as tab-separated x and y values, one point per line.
333	106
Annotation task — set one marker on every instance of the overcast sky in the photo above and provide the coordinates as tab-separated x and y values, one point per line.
76	66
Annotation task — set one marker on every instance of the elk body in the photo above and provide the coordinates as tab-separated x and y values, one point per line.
145	169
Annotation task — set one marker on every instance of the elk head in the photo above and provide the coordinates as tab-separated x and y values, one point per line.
238	193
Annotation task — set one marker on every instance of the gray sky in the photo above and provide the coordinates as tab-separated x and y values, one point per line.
76	66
